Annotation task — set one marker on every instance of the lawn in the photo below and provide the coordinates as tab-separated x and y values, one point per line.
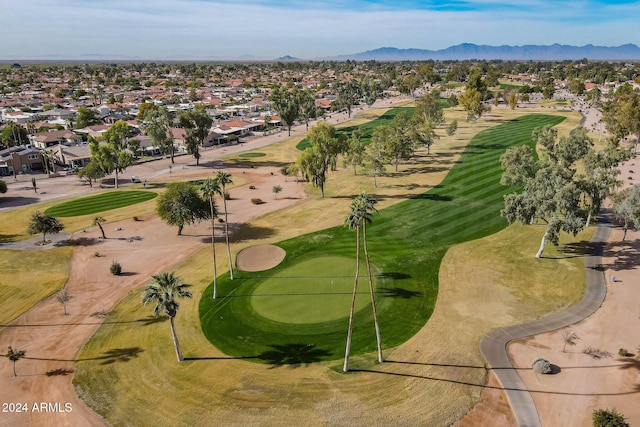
433	379
100	203
367	127
21	286
407	242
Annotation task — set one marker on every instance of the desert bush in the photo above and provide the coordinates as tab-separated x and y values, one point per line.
220	220
624	353
116	268
257	201
596	353
227	195
541	366
608	418
135	218
252	187
96	254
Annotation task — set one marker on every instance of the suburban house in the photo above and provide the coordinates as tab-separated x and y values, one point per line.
72	156
49	139
20	159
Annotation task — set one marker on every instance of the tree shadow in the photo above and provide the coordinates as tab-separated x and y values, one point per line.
432	196
245	232
394	275
624	254
399	293
81	241
294	355
120	355
10	202
128	273
7	238
59	372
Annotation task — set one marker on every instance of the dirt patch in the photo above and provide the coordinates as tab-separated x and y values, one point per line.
259	257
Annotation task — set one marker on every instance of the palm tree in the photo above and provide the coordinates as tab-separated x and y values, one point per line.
366	206
223	178
358	217
99	221
163	291
210	187
14	356
353	222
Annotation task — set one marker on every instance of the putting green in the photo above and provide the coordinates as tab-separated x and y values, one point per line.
304	293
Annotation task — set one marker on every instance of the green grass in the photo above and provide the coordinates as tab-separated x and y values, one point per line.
318	290
368	127
28	277
252	154
407	242
100	203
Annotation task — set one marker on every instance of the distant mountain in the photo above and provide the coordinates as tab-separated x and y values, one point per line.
504	52
288	58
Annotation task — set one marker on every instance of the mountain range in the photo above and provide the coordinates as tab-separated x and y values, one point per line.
504	52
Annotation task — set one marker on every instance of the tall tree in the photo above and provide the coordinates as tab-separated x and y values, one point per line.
13	135
223	179
365	208
163	291
181	204
41	223
359	215
551	190
376	154
370	89
348	95
91	172
627	208
14	356
198	125
355	150
86	117
157	124
307	104
286	103
210	188
399	141
116	154
471	101
317	160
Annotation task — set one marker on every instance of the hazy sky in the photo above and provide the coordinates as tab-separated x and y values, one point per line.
265	29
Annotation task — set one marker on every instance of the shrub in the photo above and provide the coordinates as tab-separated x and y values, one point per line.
624	353
257	201
116	268
220	220
97	254
608	418
227	195
135	218
596	353
252	187
541	366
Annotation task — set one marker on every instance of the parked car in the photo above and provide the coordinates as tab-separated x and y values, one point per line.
135	178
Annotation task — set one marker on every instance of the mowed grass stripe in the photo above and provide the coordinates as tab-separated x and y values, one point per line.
100	203
406	243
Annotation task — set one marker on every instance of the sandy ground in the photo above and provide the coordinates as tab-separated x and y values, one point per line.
584	384
259	257
52	340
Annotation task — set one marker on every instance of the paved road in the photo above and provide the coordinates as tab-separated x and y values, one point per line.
493	346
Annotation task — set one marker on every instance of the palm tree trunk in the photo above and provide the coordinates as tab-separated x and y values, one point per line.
226	229
347	352
373	298
180	227
175	340
542	243
102	231
213	249
15	374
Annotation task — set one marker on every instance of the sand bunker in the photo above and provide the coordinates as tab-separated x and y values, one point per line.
259	257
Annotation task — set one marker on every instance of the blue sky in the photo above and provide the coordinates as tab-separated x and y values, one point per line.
265	29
